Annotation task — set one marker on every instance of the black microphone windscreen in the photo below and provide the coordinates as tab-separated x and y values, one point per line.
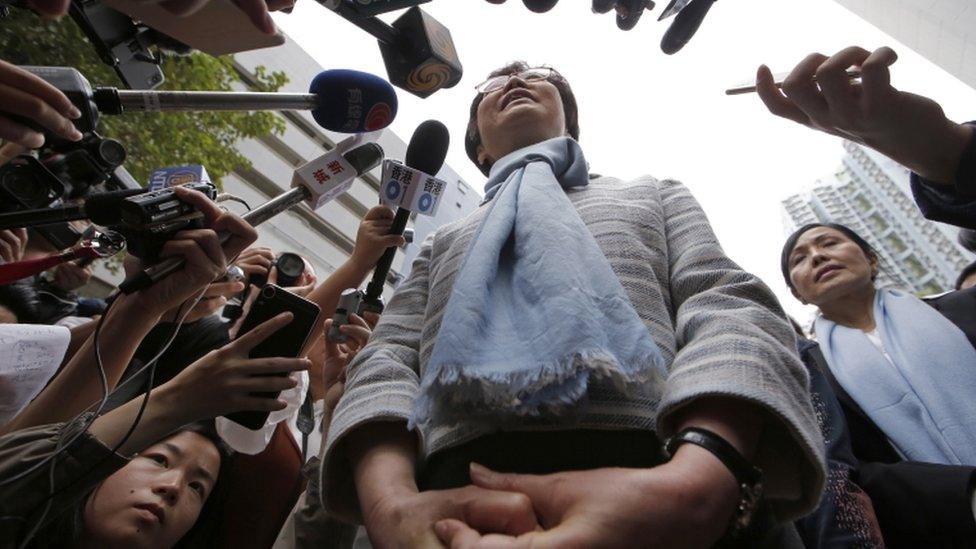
428	147
364	157
104	208
540	6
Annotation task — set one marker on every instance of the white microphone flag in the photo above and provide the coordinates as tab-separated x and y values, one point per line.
414	190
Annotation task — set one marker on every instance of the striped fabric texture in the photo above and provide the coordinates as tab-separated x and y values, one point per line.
720	329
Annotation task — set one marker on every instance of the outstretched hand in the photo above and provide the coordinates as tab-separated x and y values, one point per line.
911	129
255	10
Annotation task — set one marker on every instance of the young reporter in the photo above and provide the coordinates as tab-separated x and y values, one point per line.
911	129
904	372
131	317
565	329
220	383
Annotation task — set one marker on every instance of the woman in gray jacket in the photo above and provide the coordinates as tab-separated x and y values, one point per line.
565	329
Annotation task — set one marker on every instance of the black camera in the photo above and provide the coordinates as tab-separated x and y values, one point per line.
290	268
149	220
63	170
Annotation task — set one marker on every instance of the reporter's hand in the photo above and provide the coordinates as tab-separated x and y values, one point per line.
13	243
911	129
214	298
224	380
329	361
256	261
30	96
372	238
686	502
405	518
206	258
69	276
256	10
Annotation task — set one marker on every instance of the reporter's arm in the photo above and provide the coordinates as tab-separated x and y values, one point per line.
371	241
78	384
82	466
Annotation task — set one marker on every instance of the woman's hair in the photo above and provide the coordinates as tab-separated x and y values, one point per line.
472	138
21	300
784	260
70	524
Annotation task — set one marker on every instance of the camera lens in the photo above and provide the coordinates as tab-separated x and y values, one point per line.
110	152
290	267
268	292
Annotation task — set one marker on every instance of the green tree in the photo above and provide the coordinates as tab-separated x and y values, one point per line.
152	140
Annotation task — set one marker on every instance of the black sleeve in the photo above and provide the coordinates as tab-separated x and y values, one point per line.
192	342
954	204
921	504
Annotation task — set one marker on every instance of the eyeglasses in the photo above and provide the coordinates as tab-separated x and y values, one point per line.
496	83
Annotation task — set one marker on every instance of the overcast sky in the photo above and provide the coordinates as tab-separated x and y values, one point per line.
643	112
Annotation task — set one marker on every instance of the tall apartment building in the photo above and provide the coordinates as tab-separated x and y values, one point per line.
944	31
870	194
324	237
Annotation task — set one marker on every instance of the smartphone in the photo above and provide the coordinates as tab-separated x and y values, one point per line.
288	342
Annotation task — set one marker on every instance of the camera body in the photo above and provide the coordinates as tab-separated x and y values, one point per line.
62	171
149	220
348	304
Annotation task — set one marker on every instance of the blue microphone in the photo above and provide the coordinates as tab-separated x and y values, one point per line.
340	100
352	101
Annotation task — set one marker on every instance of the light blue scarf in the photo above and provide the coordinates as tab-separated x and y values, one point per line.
536	313
925	402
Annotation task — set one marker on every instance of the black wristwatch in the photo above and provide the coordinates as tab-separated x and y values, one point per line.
749	477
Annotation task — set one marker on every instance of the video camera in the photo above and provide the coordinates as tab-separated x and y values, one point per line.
63	171
149	220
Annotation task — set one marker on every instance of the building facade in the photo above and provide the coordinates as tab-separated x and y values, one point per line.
870	194
944	31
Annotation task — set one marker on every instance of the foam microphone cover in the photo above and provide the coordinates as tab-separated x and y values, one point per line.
540	6
105	208
364	157
428	147
351	101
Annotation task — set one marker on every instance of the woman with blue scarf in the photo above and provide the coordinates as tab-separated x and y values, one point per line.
522	381
904	371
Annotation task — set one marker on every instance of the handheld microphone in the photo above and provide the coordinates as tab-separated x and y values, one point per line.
101	209
357	162
418	50
341	100
540	6
425	153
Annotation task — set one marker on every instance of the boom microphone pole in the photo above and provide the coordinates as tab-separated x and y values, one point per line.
340	100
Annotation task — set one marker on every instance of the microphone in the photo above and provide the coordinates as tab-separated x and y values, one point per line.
425	154
417	49
101	209
341	100
352	163
540	6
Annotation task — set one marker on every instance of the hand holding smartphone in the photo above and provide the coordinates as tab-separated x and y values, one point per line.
289	342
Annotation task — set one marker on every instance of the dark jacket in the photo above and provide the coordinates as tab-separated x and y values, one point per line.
82	465
917	504
845	517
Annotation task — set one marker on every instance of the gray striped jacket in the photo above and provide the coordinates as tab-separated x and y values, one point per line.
720	329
